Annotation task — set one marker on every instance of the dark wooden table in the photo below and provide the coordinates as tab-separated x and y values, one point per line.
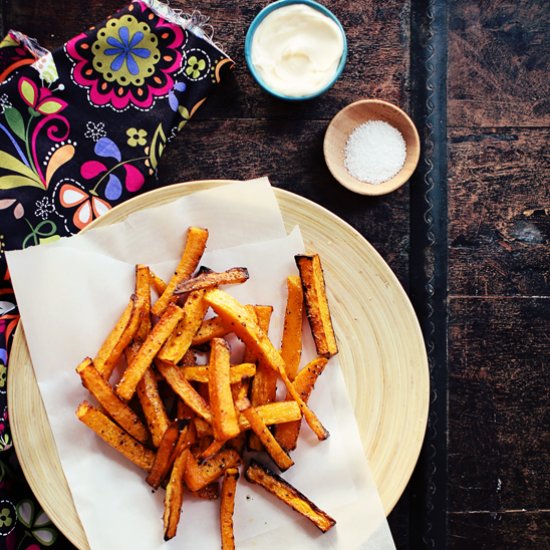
468	237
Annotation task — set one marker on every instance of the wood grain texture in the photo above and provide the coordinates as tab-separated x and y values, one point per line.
499	211
498	404
505	531
499	58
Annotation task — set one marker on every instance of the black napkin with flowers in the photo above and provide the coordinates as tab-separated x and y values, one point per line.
82	129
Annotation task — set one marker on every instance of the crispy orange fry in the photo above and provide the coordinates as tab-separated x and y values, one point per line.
248	330
162	463
143	358
277	412
208	279
178	436
224	415
105	351
143	292
285	492
291	344
241	387
180	340
192	253
318	312
200	475
203	428
173	498
276	452
118	410
287	433
115	436
212	449
214	327
199	417
184	390
236	373
152	405
113	347
157	283
264	384
227	506
272	413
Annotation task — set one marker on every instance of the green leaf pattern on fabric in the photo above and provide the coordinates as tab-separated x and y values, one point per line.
15	122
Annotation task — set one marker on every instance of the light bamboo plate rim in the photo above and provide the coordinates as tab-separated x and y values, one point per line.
352	116
381	353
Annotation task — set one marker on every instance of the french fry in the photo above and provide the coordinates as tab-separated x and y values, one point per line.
198	417
287	433
248	330
215	327
241	387
180	340
285	492
275	413
275	451
173	498
144	357
143	292
240	391
115	436
271	413
291	344
162	462
224	416
235	275
192	253
264	384
214	447
152	405
237	372
184	390
158	284
227	506
187	437
315	296
200	475
119	338
118	410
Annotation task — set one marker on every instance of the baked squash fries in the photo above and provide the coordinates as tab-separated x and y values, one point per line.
189	424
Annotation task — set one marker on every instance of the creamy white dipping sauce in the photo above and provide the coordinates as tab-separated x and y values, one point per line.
296	50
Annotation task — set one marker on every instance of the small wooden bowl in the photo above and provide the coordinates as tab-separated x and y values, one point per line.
349	118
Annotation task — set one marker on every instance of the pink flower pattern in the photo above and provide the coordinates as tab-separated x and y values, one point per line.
129	60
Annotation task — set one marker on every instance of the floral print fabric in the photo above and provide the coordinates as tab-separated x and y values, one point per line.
81	130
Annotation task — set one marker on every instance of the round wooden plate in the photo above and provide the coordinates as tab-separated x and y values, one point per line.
381	353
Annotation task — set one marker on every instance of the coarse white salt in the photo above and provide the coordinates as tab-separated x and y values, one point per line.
375	152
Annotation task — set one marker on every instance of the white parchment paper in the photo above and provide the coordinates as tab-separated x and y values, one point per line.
71	292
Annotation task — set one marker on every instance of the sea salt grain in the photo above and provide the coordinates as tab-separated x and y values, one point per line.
375	152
